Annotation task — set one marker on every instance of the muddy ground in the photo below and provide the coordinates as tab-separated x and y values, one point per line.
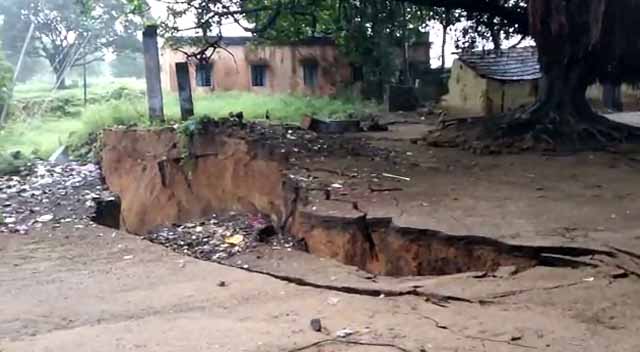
88	288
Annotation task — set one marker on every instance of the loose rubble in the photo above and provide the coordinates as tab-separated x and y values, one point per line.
49	194
219	238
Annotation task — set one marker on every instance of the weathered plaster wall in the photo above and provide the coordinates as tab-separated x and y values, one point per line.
284	69
467	92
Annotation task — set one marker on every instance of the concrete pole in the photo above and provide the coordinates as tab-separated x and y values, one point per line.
84	80
612	96
5	107
152	73
184	90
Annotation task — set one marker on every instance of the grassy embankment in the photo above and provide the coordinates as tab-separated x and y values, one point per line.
41	121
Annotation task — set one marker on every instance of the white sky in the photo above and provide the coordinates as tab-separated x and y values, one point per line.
158	10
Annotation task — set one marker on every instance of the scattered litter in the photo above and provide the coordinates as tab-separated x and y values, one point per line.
45	218
333	301
221	236
235	239
127	257
396	177
589	279
31	199
344	333
222	284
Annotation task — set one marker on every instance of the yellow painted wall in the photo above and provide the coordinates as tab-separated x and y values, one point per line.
472	95
467	92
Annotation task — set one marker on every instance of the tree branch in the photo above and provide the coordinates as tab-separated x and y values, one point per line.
515	15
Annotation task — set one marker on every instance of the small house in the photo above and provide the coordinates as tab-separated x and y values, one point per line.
490	82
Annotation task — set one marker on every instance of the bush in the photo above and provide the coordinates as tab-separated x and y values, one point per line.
11	163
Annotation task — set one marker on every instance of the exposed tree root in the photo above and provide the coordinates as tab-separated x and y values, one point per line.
533	130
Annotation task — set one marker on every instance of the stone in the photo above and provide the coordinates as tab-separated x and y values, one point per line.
316	325
344	333
107	212
45	218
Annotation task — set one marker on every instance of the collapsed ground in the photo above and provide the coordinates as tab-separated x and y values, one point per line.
585	200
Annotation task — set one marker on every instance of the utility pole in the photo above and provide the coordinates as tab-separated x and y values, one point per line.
84	79
152	73
184	90
5	108
405	47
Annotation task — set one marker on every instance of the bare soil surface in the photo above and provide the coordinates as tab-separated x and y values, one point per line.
90	288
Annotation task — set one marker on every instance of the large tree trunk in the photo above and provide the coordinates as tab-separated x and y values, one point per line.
61	82
570	41
445	29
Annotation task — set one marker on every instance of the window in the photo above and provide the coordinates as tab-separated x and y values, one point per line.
310	74
203	75
357	73
258	75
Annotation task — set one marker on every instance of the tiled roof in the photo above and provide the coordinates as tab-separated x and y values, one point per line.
516	64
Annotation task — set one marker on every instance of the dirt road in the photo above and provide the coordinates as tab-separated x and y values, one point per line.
93	289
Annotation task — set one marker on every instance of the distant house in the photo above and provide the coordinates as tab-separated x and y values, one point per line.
311	66
490	82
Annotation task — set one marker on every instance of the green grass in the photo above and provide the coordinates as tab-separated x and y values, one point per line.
37	130
281	107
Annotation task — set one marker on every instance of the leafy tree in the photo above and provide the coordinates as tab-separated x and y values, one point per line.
67	33
578	43
127	65
129	61
369	33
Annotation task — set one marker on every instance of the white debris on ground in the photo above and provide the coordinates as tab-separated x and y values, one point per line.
49	194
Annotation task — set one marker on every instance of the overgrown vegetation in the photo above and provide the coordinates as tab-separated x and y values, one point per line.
40	123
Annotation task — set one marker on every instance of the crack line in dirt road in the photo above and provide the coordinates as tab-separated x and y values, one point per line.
433	298
439	325
626	252
348	342
519	292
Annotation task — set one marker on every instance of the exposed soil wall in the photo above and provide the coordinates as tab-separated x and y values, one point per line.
157	187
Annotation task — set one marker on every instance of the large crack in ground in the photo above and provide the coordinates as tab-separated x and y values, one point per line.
256	170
